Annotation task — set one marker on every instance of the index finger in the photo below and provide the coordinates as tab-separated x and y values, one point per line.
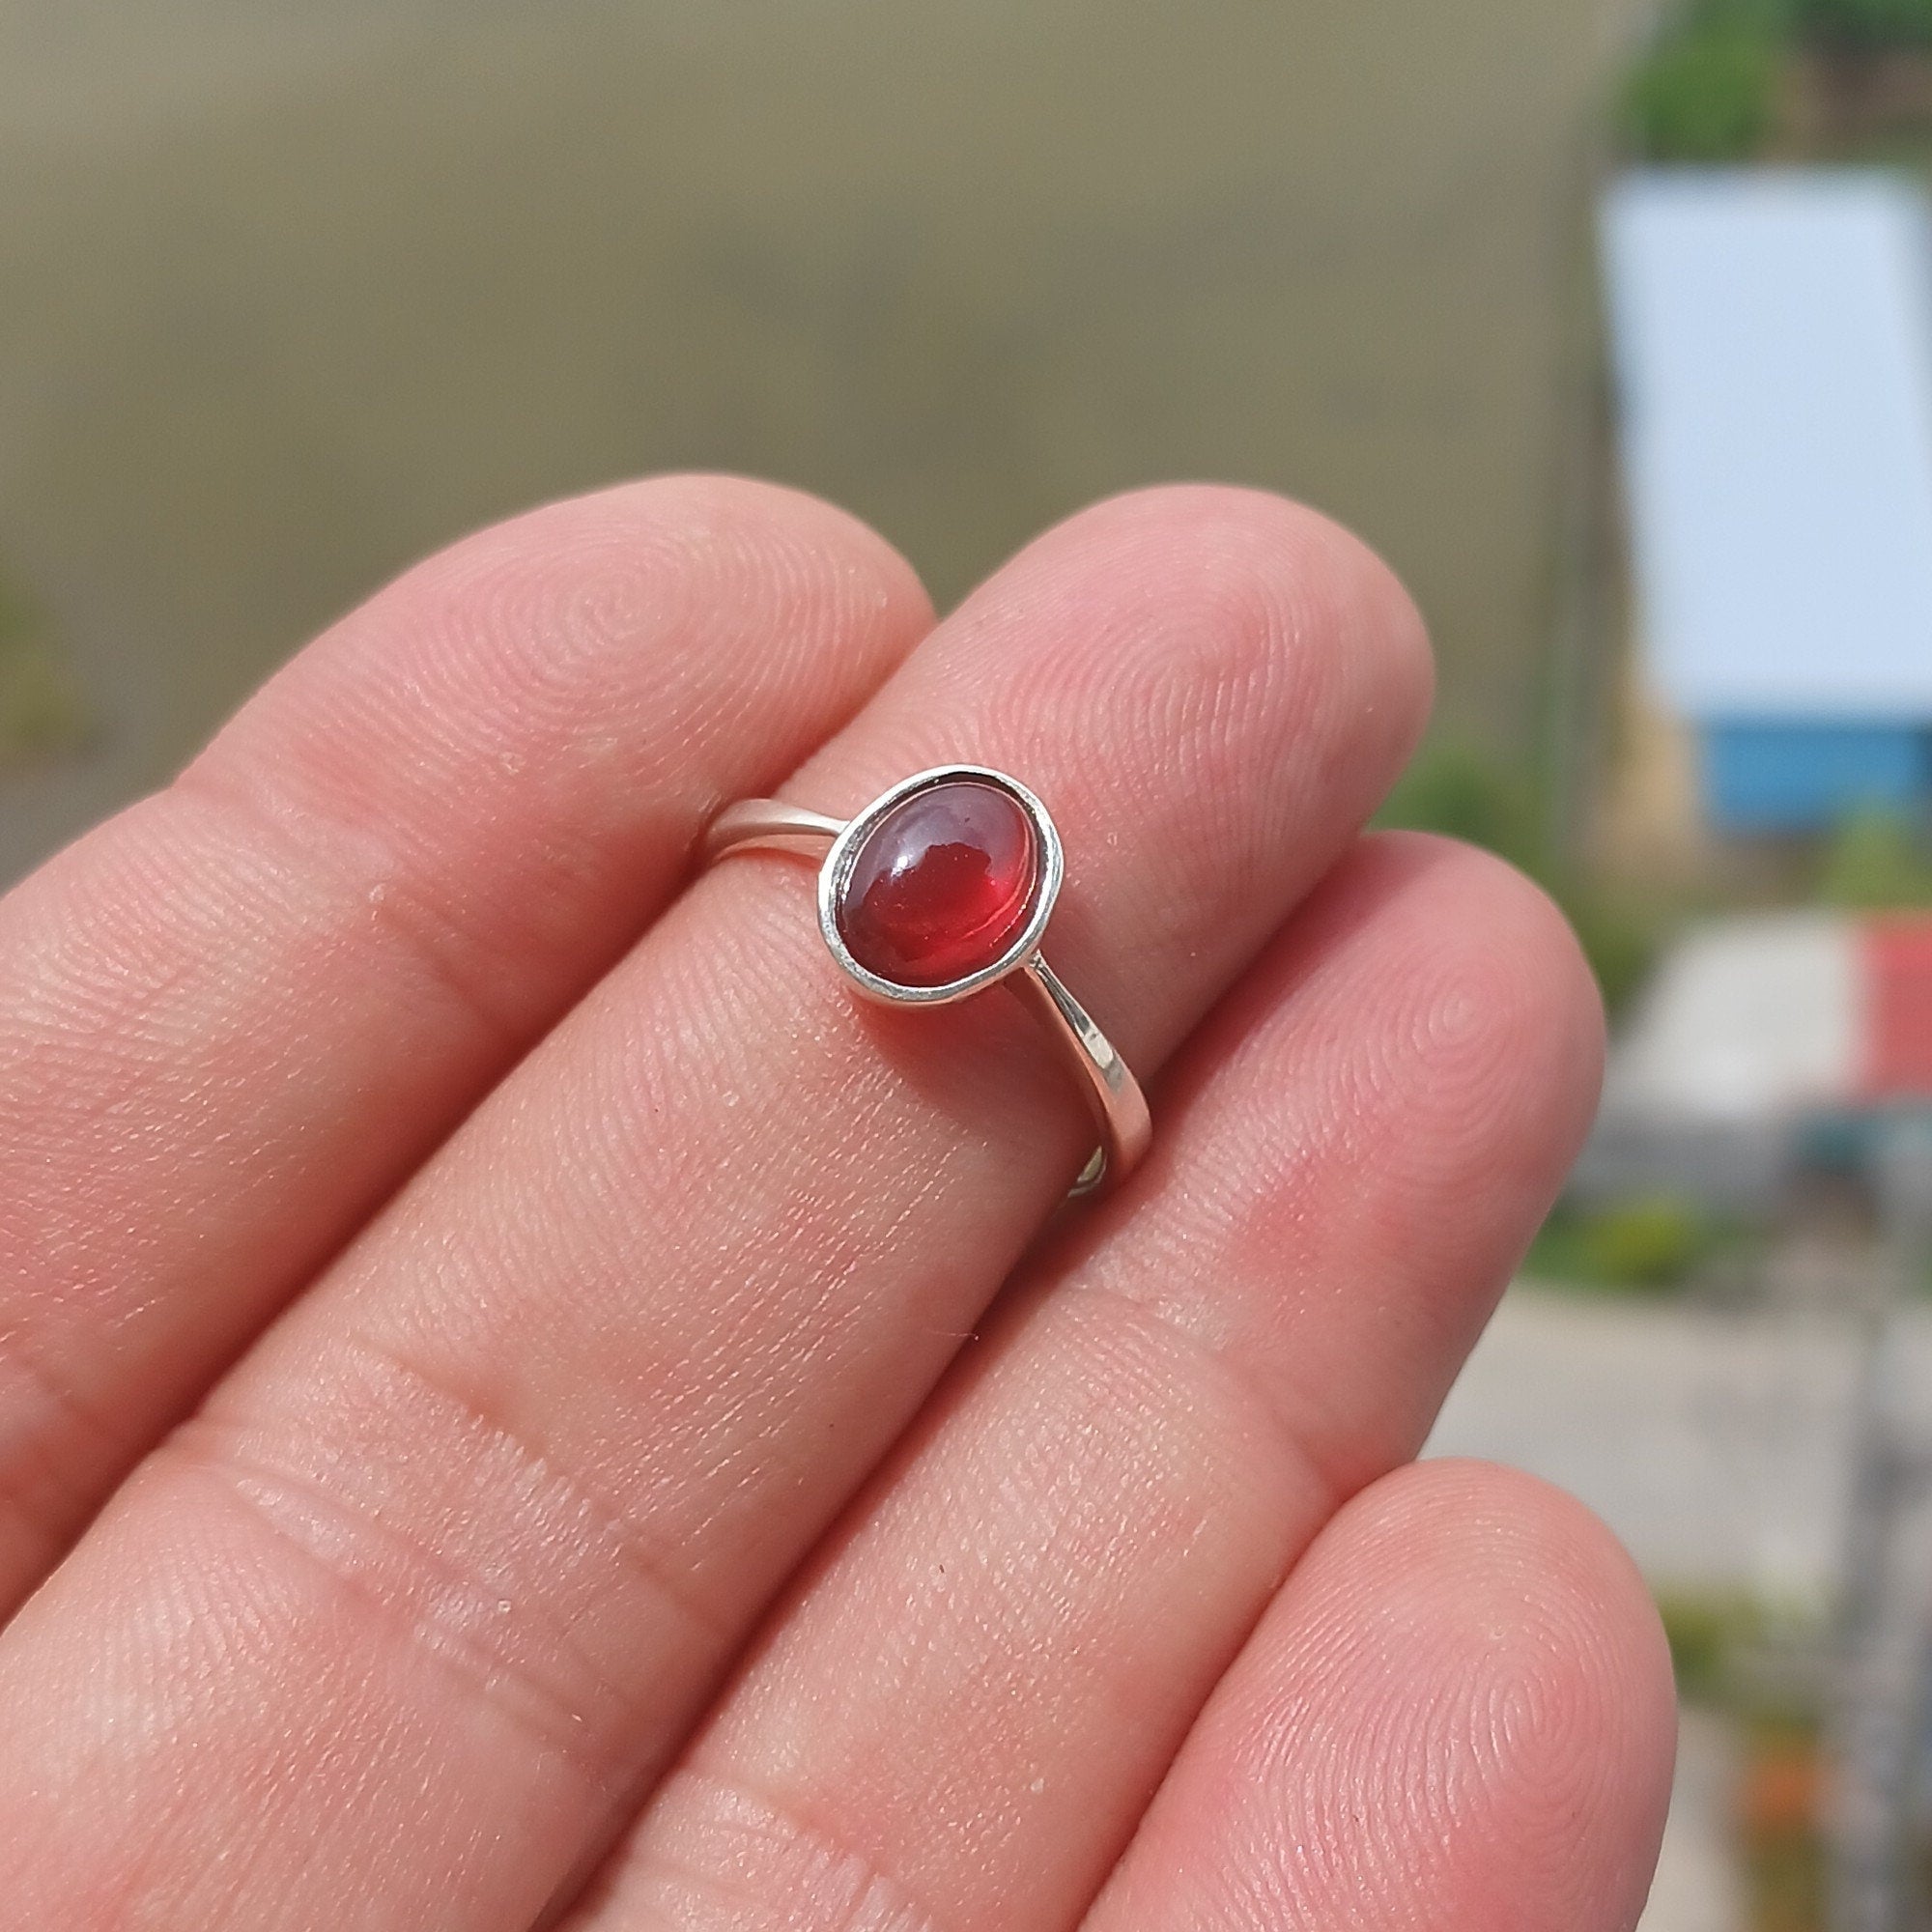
234	1017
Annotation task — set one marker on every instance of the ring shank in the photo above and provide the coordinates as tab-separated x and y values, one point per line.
1114	1095
765	824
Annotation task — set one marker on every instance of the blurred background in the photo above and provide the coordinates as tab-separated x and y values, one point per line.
1610	324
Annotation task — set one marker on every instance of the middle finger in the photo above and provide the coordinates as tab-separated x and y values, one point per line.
445	1570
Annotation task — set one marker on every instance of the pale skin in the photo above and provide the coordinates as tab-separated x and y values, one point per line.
521	1402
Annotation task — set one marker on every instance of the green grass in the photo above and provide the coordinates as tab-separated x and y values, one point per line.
1705	94
40	707
1711	85
1651	1246
1864	25
1877	862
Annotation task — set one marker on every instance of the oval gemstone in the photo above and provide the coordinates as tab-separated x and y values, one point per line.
942	885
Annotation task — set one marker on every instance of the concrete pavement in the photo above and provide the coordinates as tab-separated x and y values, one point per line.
1717	1444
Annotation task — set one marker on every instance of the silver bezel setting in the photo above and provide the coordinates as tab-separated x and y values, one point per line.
837	871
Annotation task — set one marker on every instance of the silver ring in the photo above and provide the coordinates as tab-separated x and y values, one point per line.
942	887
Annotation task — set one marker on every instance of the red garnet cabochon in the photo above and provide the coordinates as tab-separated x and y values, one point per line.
942	885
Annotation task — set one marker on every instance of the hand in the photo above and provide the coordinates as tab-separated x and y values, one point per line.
523	1401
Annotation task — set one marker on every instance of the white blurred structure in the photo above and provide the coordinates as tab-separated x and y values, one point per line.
1758	1034
1748	1019
1771	336
1717	1443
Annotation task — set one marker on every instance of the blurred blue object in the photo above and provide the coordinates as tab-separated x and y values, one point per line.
1784	776
1772	338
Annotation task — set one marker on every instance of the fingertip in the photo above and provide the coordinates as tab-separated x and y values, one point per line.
1323	576
532	655
504	755
1488	1557
1288	592
720	532
1457	1713
1501	935
1531	1658
1484	1058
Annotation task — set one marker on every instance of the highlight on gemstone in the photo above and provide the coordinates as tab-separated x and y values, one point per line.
942	886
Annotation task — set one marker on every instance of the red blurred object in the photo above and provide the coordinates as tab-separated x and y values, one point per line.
1897	977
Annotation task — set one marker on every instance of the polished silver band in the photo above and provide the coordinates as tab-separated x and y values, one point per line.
1118	1106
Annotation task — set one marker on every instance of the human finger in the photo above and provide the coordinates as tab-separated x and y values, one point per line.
237	1016
1458	1715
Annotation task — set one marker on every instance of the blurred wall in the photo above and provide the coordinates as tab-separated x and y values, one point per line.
288	294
